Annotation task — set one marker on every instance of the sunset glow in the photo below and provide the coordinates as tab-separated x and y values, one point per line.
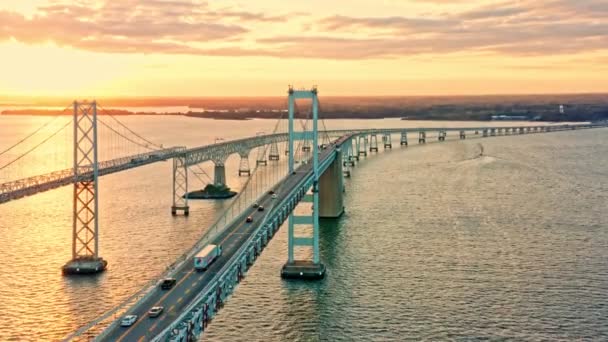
249	48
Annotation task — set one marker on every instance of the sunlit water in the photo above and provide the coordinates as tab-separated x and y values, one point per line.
437	243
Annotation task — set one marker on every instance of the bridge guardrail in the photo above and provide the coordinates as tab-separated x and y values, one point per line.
305	183
148	288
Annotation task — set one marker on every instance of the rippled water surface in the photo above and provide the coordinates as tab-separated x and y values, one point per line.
437	243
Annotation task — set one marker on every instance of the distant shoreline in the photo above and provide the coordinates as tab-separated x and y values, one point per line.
439	112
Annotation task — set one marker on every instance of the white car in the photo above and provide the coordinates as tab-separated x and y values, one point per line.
128	320
274	196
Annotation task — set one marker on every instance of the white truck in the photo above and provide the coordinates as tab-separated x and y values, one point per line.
206	256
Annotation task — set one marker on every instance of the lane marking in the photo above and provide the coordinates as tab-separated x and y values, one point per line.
141	339
153	327
187	291
187	274
157	304
194	284
180	299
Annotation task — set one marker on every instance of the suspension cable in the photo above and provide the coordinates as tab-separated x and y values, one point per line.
34	132
128	129
124	136
36	146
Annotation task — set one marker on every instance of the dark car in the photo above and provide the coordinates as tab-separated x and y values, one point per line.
255	205
260	208
249	219
167	283
271	192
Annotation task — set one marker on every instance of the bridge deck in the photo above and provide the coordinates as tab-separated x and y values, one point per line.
190	282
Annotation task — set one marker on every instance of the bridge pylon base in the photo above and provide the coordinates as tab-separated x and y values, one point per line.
174	210
84	265
303	270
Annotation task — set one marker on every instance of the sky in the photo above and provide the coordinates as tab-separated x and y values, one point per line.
345	47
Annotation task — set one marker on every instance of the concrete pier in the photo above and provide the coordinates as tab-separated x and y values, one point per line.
441	135
175	209
373	143
422	137
463	135
84	265
303	269
331	202
403	139
386	139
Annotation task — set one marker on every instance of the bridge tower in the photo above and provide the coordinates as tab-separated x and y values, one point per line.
85	223
305	269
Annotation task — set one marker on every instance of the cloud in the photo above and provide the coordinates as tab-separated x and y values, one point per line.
192	27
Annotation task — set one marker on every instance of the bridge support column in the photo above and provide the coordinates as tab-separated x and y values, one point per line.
441	135
274	151
422	137
373	143
244	168
219	173
261	156
521	130
85	223
493	132
180	186
306	269
463	135
362	146
485	133
386	138
403	139
306	145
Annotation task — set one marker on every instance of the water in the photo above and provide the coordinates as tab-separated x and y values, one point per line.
435	244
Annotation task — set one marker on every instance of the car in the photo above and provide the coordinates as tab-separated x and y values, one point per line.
167	283
155	311
249	219
294	172
128	320
274	196
260	208
255	205
271	192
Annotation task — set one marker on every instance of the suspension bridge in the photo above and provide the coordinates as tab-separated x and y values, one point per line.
318	159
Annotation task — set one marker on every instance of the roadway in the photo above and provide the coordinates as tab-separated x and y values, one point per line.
189	283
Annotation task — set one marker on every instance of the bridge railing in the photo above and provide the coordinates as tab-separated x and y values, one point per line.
32	185
232	212
305	183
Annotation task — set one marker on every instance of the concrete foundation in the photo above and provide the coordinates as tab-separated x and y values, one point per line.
84	265
303	269
175	209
